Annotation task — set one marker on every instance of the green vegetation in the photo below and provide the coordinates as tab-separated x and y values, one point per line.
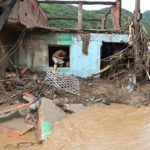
146	22
70	11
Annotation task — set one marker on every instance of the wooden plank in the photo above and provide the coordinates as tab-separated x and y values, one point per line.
78	2
13	108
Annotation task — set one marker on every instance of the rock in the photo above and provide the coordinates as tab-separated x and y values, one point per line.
103	101
76	107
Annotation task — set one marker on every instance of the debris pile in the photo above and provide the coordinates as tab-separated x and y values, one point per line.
23	92
35	97
126	67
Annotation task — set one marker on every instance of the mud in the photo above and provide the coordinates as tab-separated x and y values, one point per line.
112	127
11	143
94	89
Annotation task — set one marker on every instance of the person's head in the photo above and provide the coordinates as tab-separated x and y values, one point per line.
64	52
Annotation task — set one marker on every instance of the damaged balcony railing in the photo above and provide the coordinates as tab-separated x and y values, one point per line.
115	12
64	82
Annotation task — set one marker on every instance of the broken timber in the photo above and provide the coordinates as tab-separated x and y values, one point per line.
101	71
14	108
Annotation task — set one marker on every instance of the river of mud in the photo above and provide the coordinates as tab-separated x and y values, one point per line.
114	127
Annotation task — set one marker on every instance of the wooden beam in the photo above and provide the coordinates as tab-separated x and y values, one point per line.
5	14
75	19
78	2
80	16
137	38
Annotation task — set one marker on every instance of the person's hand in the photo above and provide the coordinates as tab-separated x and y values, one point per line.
61	57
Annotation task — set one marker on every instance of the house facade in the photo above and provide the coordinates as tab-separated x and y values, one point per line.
26	41
84	57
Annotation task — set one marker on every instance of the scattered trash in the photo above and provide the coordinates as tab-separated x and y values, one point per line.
29	97
10	79
103	101
24	71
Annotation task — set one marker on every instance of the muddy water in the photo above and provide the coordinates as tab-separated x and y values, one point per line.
115	127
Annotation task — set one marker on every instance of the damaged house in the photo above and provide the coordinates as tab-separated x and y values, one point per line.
28	42
17	17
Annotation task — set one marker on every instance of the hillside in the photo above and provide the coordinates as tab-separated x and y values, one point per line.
146	15
146	22
57	10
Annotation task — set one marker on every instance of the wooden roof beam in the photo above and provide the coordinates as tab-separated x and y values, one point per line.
78	2
75	19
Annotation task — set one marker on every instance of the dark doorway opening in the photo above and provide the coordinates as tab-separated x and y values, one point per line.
107	50
53	48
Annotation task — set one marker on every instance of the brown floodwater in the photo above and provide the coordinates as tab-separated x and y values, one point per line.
115	127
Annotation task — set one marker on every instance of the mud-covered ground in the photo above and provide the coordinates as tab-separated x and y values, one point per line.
91	91
95	89
79	131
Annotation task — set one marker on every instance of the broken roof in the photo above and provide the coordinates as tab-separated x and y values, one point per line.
28	13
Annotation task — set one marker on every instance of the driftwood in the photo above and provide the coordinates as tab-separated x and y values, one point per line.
117	74
101	71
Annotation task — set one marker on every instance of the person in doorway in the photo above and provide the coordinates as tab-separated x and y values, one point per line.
58	58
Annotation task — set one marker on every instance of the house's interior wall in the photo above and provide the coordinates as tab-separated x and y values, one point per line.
8	39
33	53
36	47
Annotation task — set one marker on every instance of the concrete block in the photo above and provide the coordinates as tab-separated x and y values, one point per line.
49	114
